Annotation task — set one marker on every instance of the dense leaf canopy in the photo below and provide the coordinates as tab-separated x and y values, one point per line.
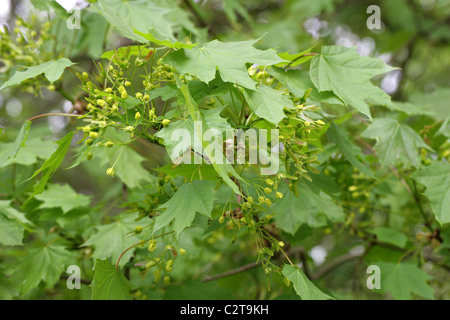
225	149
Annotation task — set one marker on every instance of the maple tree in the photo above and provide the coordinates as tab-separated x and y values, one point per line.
363	173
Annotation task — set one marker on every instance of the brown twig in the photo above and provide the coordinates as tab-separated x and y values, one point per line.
232	272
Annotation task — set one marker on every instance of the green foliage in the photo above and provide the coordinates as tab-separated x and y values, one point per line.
436	179
267	103
52	164
396	143
13	224
109	283
302	285
313	207
404	279
19	142
190	198
41	264
391	236
152	187
51	69
348	75
62	196
112	239
229	58
338	136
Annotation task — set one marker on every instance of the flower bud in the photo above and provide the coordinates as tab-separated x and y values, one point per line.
152	246
93	134
101	102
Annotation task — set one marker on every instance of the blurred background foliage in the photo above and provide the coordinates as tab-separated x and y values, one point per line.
414	36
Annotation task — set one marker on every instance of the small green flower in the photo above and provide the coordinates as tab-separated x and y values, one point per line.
93	134
137	115
138	229
101	102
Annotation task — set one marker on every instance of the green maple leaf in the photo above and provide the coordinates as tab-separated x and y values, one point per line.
42	264
127	52
404	279
52	164
167	92
207	118
432	104
7	290
395	142
346	73
392	236
436	178
229	58
12	152
166	43
29	153
293	60
11	232
312	207
167	134
339	137
12	224
51	69
109	283
112	239
145	16
298	81
190	198
128	163
267	103
62	196
302	285
212	119
129	167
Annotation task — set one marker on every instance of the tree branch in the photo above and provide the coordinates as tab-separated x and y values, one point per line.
232	272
